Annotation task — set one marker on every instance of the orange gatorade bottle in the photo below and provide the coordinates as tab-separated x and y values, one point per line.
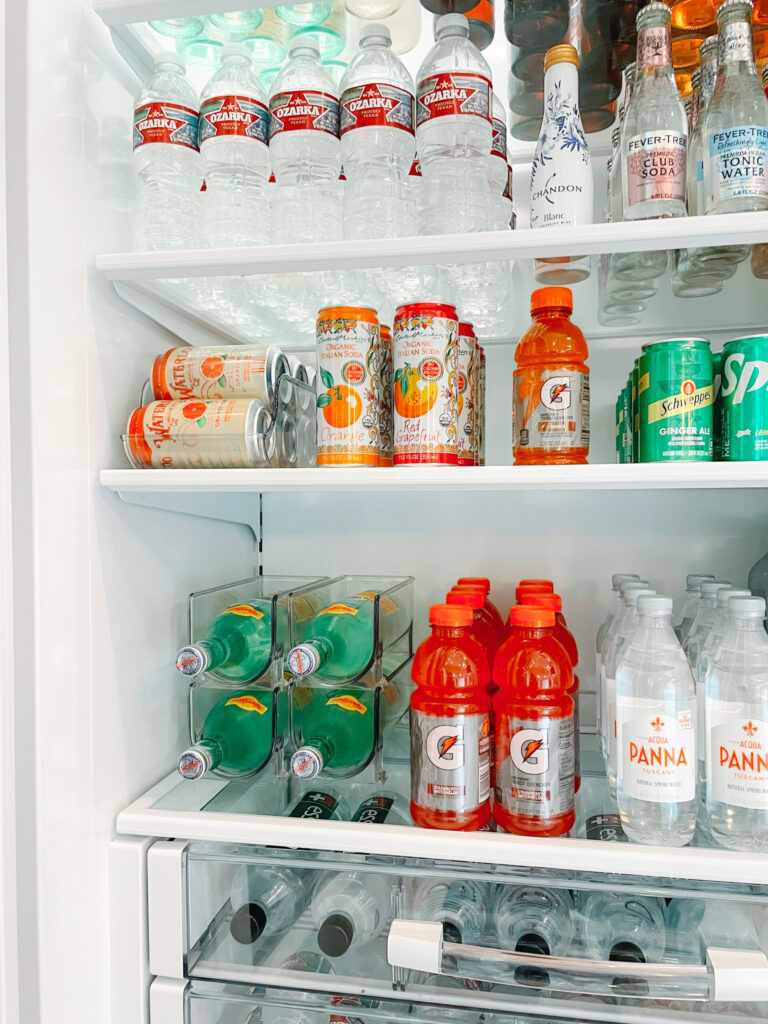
450	725
551	385
533	715
485	611
481	630
542	586
485	583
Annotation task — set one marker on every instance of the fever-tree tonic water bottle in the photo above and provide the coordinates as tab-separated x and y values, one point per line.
236	738
237	646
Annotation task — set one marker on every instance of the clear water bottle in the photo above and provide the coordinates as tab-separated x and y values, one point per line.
234	141
304	148
166	158
498	169
265	901
377	139
623	927
454	131
532	919
691	602
656	732
616	580
702	624
460	906
736	730
349	911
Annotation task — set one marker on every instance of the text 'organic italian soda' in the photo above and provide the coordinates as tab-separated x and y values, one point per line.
656	732
166	158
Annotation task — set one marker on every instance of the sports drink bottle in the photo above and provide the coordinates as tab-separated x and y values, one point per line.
702	624
237	645
623	927
691	601
318	804
236	738
485	583
533	717
736	730
616	580
460	906
543	586
656	732
532	919
450	725
482	630
383	808
349	910
266	901
486	612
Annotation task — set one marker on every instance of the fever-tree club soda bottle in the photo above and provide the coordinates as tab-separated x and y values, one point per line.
237	645
236	738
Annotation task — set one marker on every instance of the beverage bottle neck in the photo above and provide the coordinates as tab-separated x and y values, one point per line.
708	81
532	632
200	759
750	625
451	632
736	55
552	313
215	652
565	79
655	620
654	54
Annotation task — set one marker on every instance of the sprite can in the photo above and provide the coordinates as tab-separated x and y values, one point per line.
744	397
717	407
675	399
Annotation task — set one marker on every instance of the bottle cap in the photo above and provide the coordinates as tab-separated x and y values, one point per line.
564	53
303	660
655	12
634	595
747	607
248	923
545	298
531	618
450	615
302	42
191	660
654	604
193	763
480	580
633	585
525	590
729	5
335	935
451	25
375	30
694	580
467	598
724	596
306	763
552	601
236	50
708	49
546	585
710	588
170	57
623	577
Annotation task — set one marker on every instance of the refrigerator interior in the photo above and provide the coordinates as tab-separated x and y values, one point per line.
100	584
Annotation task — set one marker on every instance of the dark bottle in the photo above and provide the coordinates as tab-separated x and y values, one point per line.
542	23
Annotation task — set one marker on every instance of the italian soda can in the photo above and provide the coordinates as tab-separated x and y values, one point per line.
425	358
469	359
675	398
386	423
348	386
744	395
219	372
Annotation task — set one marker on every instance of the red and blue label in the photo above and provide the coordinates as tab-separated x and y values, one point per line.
303	110
234	116
165	123
451	94
376	104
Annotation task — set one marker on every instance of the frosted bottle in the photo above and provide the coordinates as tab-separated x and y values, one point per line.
460	906
265	901
532	919
691	602
616	580
304	148
349	910
702	624
498	176
622	927
656	732
736	731
166	158
561	174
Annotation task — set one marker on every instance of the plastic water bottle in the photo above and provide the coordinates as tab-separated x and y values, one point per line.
624	927
656	732
616	580
736	730
460	906
702	624
691	602
497	160
304	148
265	901
377	139
166	158
234	140
532	919
349	910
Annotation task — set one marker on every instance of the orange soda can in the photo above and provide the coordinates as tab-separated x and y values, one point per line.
347	386
425	355
386	422
551	385
221	371
467	440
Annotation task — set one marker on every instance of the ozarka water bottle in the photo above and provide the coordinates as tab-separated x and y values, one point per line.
656	732
166	158
234	141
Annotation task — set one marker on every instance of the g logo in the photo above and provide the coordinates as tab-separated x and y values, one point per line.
445	747
529	751
556	393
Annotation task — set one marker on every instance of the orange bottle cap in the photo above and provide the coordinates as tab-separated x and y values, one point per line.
528	617
546	585
467	598
552	601
482	581
450	615
546	298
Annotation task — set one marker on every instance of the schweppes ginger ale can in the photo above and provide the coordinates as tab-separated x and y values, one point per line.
675	398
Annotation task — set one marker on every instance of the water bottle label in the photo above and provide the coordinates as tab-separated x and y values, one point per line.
376	103
450	761
190	435
374	810
737	161
499	140
315	804
551	409
656	749
534	775
302	111
234	115
167	123
656	167
606	828
452	93
737	753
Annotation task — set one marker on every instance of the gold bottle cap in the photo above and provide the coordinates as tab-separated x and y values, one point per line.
562	54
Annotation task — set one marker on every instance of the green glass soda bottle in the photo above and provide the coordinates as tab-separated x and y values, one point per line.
237	645
236	737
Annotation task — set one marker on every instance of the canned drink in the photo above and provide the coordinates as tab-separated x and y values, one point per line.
675	397
467	446
628	423
348	386
744	395
425	359
619	442
635	413
219	372
481	408
223	434
717	407
386	422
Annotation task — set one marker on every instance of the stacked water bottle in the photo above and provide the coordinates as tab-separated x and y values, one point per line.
682	713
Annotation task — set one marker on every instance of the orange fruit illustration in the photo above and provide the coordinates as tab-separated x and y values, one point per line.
194	410
212	367
418	398
344	408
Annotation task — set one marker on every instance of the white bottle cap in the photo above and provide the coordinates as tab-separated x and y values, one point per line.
191	660
709	589
193	763
623	577
747	607
694	580
307	762
633	596
236	50
303	660
726	593
375	30
303	43
169	57
654	604
451	24
633	585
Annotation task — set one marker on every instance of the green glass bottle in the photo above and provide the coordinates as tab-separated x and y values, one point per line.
236	737
237	645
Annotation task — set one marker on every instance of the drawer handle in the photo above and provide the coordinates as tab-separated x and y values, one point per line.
728	975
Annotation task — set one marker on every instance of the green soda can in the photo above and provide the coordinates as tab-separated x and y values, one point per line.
620	452
717	407
628	428
675	399
744	396
635	412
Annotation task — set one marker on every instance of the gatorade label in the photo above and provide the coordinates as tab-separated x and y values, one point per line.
450	761
606	828
166	123
374	810
737	158
656	166
452	94
551	409
376	104
656	750
535	776
234	115
303	111
737	753
315	804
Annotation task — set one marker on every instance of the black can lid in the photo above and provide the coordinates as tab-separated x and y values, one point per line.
248	923
335	935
